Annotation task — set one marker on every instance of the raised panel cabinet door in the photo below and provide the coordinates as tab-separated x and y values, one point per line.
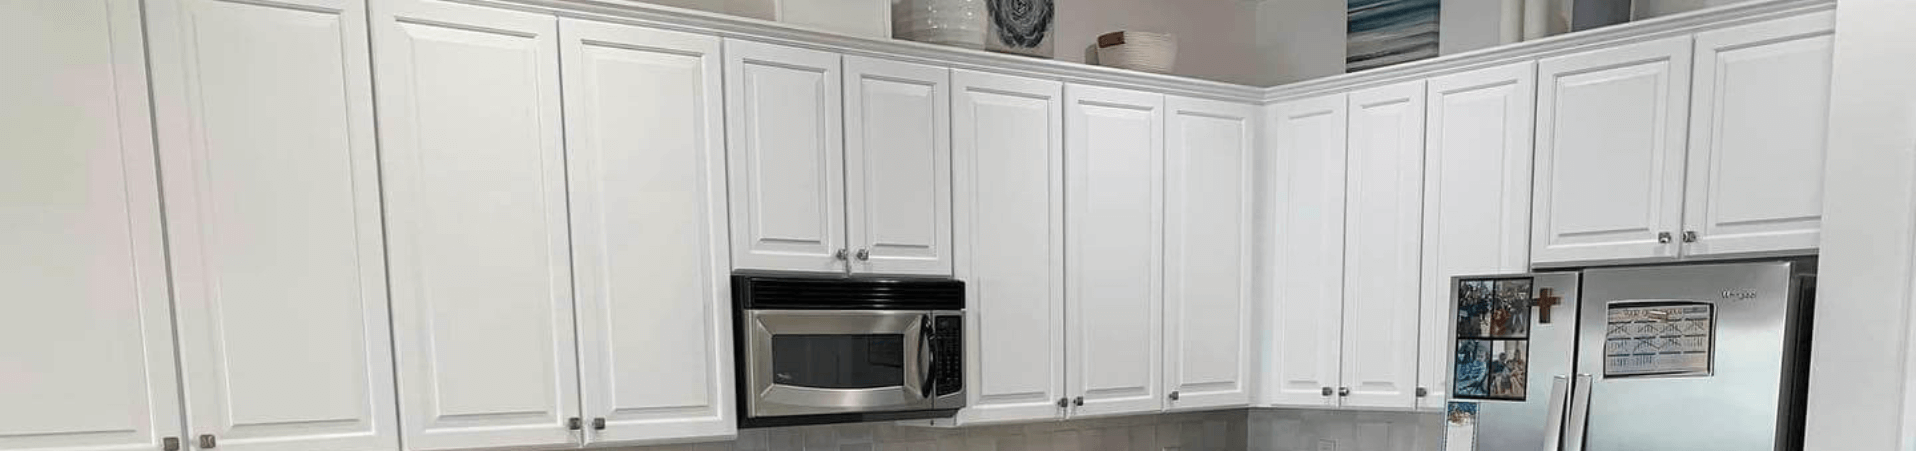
1008	157
1609	169
474	176
1759	117
85	328
645	146
787	160
1209	147
898	167
266	141
1382	255
1476	198
1307	301
1114	197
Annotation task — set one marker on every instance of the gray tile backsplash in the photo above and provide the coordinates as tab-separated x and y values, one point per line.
1227	430
1198	431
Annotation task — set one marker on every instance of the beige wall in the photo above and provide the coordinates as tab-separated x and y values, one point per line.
1216	38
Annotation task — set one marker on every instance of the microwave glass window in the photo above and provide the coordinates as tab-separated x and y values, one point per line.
839	361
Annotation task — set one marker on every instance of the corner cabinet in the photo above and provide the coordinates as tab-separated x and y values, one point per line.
1114	196
271	187
1476	198
1344	316
840	164
554	234
1305	316
1008	165
1382	228
1209	149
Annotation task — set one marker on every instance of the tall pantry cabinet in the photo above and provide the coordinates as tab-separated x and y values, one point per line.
83	208
271	189
1344	318
525	233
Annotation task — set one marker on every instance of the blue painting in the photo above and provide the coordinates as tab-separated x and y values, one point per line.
1384	32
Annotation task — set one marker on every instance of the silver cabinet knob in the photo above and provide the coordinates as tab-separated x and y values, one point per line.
1663	237
1343	391
574	423
1174	395
1327	391
170	444
840	255
1078	401
208	441
1689	236
598	424
1064	402
864	255
1423	392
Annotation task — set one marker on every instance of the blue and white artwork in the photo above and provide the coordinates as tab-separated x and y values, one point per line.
1384	32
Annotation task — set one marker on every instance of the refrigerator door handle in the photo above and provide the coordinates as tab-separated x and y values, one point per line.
1579	412
1553	432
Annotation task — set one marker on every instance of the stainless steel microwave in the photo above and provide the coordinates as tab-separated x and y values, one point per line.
815	350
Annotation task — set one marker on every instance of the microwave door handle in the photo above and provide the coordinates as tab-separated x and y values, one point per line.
927	359
1579	412
1553	429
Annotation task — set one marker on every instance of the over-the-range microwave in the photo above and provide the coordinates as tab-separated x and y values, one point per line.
819	349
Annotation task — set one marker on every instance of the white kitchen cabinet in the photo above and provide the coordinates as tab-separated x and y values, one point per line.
644	124
1207	252
1308	147
475	191
787	161
85	331
1610	153
1476	198
1114	155
1008	159
1382	230
1758	113
897	167
266	141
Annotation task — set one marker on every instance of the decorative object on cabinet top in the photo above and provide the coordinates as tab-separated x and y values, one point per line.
1726	16
665	17
1138	50
1022	27
957	23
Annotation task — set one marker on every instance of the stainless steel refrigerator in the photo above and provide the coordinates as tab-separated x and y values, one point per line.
1700	357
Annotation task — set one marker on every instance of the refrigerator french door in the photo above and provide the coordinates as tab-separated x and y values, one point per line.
1659	358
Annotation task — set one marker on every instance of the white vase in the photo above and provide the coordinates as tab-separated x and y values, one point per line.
959	23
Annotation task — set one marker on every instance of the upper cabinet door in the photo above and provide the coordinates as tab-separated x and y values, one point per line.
787	162
1757	137
1609	170
1476	197
1008	149
898	167
476	214
1382	228
1307	302
645	146
1114	149
272	192
85	328
1207	252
